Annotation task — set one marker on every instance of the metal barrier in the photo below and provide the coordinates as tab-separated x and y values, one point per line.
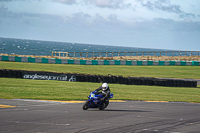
99	62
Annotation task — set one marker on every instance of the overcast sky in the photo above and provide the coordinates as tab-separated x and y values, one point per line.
161	24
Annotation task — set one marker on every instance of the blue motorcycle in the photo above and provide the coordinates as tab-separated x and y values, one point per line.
95	102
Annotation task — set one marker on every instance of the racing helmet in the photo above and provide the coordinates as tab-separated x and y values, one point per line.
104	86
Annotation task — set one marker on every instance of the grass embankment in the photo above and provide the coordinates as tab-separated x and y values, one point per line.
59	90
191	72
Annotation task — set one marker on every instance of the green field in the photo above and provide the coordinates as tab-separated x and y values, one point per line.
60	90
190	72
11	88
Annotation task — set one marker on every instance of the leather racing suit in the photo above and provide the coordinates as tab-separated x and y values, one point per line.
105	93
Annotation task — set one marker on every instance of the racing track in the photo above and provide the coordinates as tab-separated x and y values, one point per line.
31	116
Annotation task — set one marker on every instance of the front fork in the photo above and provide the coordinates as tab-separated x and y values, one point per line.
89	102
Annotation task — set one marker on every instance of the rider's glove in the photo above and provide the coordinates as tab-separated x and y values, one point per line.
95	92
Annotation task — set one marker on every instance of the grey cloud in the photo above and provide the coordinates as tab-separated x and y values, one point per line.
69	2
109	3
176	26
16	0
187	15
60	1
4	13
26	18
166	6
113	4
82	19
111	22
3	9
163	5
79	17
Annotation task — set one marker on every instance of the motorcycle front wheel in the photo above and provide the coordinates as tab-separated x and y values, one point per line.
102	106
106	104
86	105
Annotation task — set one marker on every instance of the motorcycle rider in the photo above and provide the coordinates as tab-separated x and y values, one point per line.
105	91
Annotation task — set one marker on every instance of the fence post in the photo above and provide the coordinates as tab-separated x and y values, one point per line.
99	54
112	54
74	54
106	54
86	54
118	53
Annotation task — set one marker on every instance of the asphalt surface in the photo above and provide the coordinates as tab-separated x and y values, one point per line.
120	117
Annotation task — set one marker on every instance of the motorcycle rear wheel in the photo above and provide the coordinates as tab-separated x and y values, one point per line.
86	105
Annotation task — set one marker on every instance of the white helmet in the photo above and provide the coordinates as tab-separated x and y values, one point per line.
104	86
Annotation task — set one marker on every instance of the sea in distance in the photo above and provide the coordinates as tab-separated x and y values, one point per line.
14	46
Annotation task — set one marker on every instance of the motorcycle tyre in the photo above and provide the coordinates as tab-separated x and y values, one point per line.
102	107
106	105
86	105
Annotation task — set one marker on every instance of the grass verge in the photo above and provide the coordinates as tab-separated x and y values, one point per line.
190	72
11	88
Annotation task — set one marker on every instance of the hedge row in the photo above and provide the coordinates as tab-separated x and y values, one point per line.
98	78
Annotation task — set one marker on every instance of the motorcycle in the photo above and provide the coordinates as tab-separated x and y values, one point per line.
95	102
